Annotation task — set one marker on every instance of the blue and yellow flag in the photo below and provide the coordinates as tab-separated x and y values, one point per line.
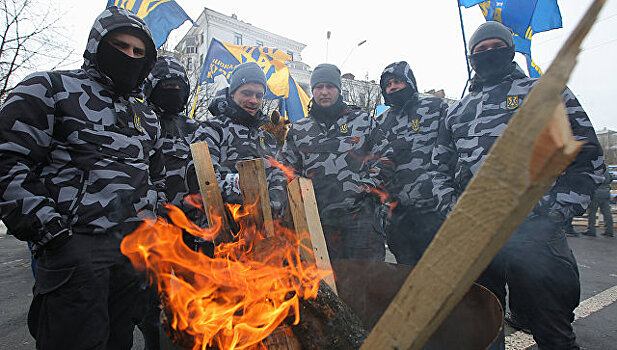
222	58
161	16
524	18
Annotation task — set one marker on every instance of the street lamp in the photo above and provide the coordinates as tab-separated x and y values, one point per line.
327	44
350	51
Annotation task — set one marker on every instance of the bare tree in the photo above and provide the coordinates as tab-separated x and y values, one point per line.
30	38
362	93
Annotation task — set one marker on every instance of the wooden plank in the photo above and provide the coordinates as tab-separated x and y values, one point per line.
254	188
306	220
518	170
210	193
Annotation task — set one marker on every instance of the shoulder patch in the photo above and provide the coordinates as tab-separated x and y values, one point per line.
415	124
262	143
512	102
344	129
137	123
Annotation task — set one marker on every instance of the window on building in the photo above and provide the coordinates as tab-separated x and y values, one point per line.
291	54
345	95
237	39
189	64
259	43
190	45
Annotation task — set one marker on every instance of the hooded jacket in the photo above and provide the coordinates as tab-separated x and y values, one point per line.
338	157
233	137
75	154
411	131
178	133
474	123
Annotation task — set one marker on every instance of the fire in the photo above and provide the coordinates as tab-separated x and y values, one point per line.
233	300
289	171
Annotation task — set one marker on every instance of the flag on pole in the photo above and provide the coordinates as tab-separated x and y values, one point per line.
222	58
524	18
161	16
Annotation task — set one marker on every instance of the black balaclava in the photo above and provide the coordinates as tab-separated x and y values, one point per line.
492	65
170	99
126	72
401	97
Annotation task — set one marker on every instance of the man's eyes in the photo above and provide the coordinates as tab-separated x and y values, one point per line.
250	93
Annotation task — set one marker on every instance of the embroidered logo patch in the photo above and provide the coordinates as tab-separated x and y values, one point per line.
137	123
262	143
415	124
344	129
512	102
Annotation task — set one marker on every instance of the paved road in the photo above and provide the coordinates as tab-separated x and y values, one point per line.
596	326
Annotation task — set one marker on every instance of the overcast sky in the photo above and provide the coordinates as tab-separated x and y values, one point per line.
426	34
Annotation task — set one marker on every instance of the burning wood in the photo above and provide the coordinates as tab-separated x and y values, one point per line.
230	301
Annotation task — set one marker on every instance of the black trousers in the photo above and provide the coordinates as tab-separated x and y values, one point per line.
354	235
410	232
86	296
543	281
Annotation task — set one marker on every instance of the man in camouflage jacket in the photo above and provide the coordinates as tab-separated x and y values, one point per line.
333	147
167	91
536	263
80	167
410	126
235	134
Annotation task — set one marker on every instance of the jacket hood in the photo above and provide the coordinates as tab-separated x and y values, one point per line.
110	19
401	70
166	67
222	106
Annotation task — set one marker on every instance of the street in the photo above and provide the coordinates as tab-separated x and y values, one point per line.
595	325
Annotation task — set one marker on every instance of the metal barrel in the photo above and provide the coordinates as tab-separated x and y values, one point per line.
368	287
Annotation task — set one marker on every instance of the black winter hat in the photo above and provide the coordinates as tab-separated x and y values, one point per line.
248	72
491	30
326	73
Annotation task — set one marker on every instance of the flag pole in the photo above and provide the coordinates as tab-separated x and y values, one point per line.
460	14
195	101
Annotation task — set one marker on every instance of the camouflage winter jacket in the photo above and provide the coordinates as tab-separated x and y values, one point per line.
339	159
74	154
411	131
178	133
232	138
474	123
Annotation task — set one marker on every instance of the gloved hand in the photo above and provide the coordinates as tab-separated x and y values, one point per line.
232	183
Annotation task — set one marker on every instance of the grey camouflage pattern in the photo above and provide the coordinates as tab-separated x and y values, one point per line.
166	67
74	154
411	132
400	69
178	133
340	160
474	123
231	141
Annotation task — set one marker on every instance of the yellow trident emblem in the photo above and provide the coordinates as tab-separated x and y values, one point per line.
137	123
512	103
344	129
415	124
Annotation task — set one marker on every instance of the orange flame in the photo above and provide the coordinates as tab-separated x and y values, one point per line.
233	300
289	171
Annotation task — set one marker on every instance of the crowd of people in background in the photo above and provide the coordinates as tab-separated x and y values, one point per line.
87	154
